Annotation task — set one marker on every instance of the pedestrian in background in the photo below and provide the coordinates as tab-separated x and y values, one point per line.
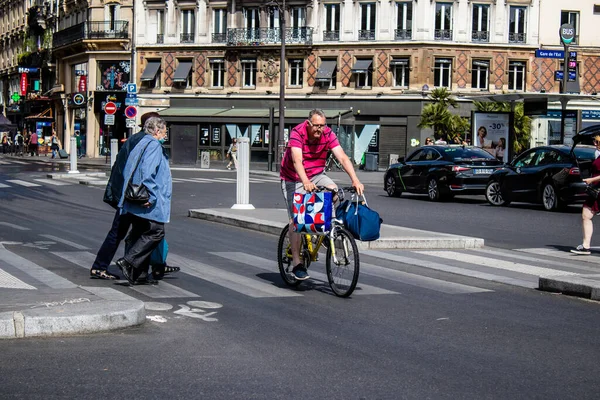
148	219
5	141
19	143
428	141
33	144
591	206
54	144
232	154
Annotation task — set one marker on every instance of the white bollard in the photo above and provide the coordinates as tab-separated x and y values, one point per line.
243	176
114	149
73	156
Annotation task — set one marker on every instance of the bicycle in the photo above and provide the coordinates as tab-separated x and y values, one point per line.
332	162
342	262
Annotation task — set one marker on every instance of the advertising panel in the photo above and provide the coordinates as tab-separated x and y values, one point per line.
491	133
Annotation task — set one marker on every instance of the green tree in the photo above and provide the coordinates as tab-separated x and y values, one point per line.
436	116
522	123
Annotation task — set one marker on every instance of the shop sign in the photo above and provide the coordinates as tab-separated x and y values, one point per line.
83	83
80	72
23	86
114	75
78	99
27	70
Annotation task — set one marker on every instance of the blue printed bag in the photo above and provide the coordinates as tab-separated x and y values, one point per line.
312	212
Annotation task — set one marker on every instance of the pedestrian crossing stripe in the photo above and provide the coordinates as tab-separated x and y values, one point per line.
3	185
22	183
562	254
8	281
54	182
271	265
494	263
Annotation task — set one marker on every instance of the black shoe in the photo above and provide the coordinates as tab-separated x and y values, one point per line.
146	279
126	270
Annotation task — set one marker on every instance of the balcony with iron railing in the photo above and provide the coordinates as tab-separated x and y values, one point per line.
443	34
91	30
480	36
331	36
219	38
368	34
403	34
262	36
517	37
187	37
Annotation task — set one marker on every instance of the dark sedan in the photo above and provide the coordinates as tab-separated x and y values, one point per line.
441	172
549	175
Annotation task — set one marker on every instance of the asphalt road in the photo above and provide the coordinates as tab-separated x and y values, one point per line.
412	343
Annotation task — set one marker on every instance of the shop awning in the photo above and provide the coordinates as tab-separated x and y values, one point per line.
361	66
151	70
325	71
182	71
44	115
244	112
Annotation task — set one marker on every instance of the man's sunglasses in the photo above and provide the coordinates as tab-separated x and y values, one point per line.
317	126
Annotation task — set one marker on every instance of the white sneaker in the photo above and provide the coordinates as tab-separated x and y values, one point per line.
581	250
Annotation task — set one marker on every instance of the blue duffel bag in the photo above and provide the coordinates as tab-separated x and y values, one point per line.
361	221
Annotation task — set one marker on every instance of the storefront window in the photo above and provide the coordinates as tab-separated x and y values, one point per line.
366	138
113	75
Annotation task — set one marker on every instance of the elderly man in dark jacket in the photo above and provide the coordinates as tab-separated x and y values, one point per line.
112	195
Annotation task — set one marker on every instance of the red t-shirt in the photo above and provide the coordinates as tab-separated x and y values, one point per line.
314	154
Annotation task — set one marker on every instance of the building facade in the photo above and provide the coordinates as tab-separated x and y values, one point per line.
212	67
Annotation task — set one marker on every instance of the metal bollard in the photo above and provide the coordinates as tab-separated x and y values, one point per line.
73	156
243	176
114	149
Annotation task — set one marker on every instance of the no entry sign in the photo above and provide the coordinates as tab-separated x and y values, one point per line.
130	112
110	108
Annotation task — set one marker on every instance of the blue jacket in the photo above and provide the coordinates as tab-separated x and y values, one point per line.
114	188
154	172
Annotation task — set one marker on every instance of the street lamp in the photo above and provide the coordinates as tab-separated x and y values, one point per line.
281	7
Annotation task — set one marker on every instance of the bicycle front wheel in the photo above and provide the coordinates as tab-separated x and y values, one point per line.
343	266
284	258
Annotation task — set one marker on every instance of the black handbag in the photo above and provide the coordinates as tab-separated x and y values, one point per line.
137	194
592	191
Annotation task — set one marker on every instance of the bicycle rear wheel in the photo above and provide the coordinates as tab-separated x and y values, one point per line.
342	273
284	258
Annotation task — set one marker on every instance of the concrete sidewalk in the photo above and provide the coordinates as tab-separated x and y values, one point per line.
392	237
582	285
26	311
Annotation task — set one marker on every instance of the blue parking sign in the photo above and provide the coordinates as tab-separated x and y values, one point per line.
132	88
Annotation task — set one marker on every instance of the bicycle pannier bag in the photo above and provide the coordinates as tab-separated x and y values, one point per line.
312	212
361	221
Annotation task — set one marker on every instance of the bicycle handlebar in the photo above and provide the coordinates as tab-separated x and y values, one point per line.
350	189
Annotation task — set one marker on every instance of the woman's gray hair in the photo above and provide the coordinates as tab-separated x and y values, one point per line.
154	124
316	111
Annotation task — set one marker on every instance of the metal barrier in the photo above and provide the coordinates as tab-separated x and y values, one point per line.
73	156
114	150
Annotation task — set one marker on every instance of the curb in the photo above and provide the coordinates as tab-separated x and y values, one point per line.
586	286
275	227
98	316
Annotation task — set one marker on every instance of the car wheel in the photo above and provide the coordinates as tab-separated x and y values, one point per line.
433	189
392	186
493	194
549	197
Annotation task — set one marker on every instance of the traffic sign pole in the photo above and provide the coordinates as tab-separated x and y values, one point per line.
566	34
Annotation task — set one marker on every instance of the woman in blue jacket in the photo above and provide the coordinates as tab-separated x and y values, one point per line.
149	219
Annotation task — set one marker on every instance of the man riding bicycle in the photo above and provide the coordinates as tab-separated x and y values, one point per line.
302	170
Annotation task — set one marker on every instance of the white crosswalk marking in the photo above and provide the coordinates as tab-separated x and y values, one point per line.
495	263
270	265
3	185
164	290
18	227
54	182
10	282
563	264
237	282
65	241
18	162
525	281
4	162
22	183
561	254
35	271
418	280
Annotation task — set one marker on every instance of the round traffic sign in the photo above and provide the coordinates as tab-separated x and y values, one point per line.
567	33
130	112
110	108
